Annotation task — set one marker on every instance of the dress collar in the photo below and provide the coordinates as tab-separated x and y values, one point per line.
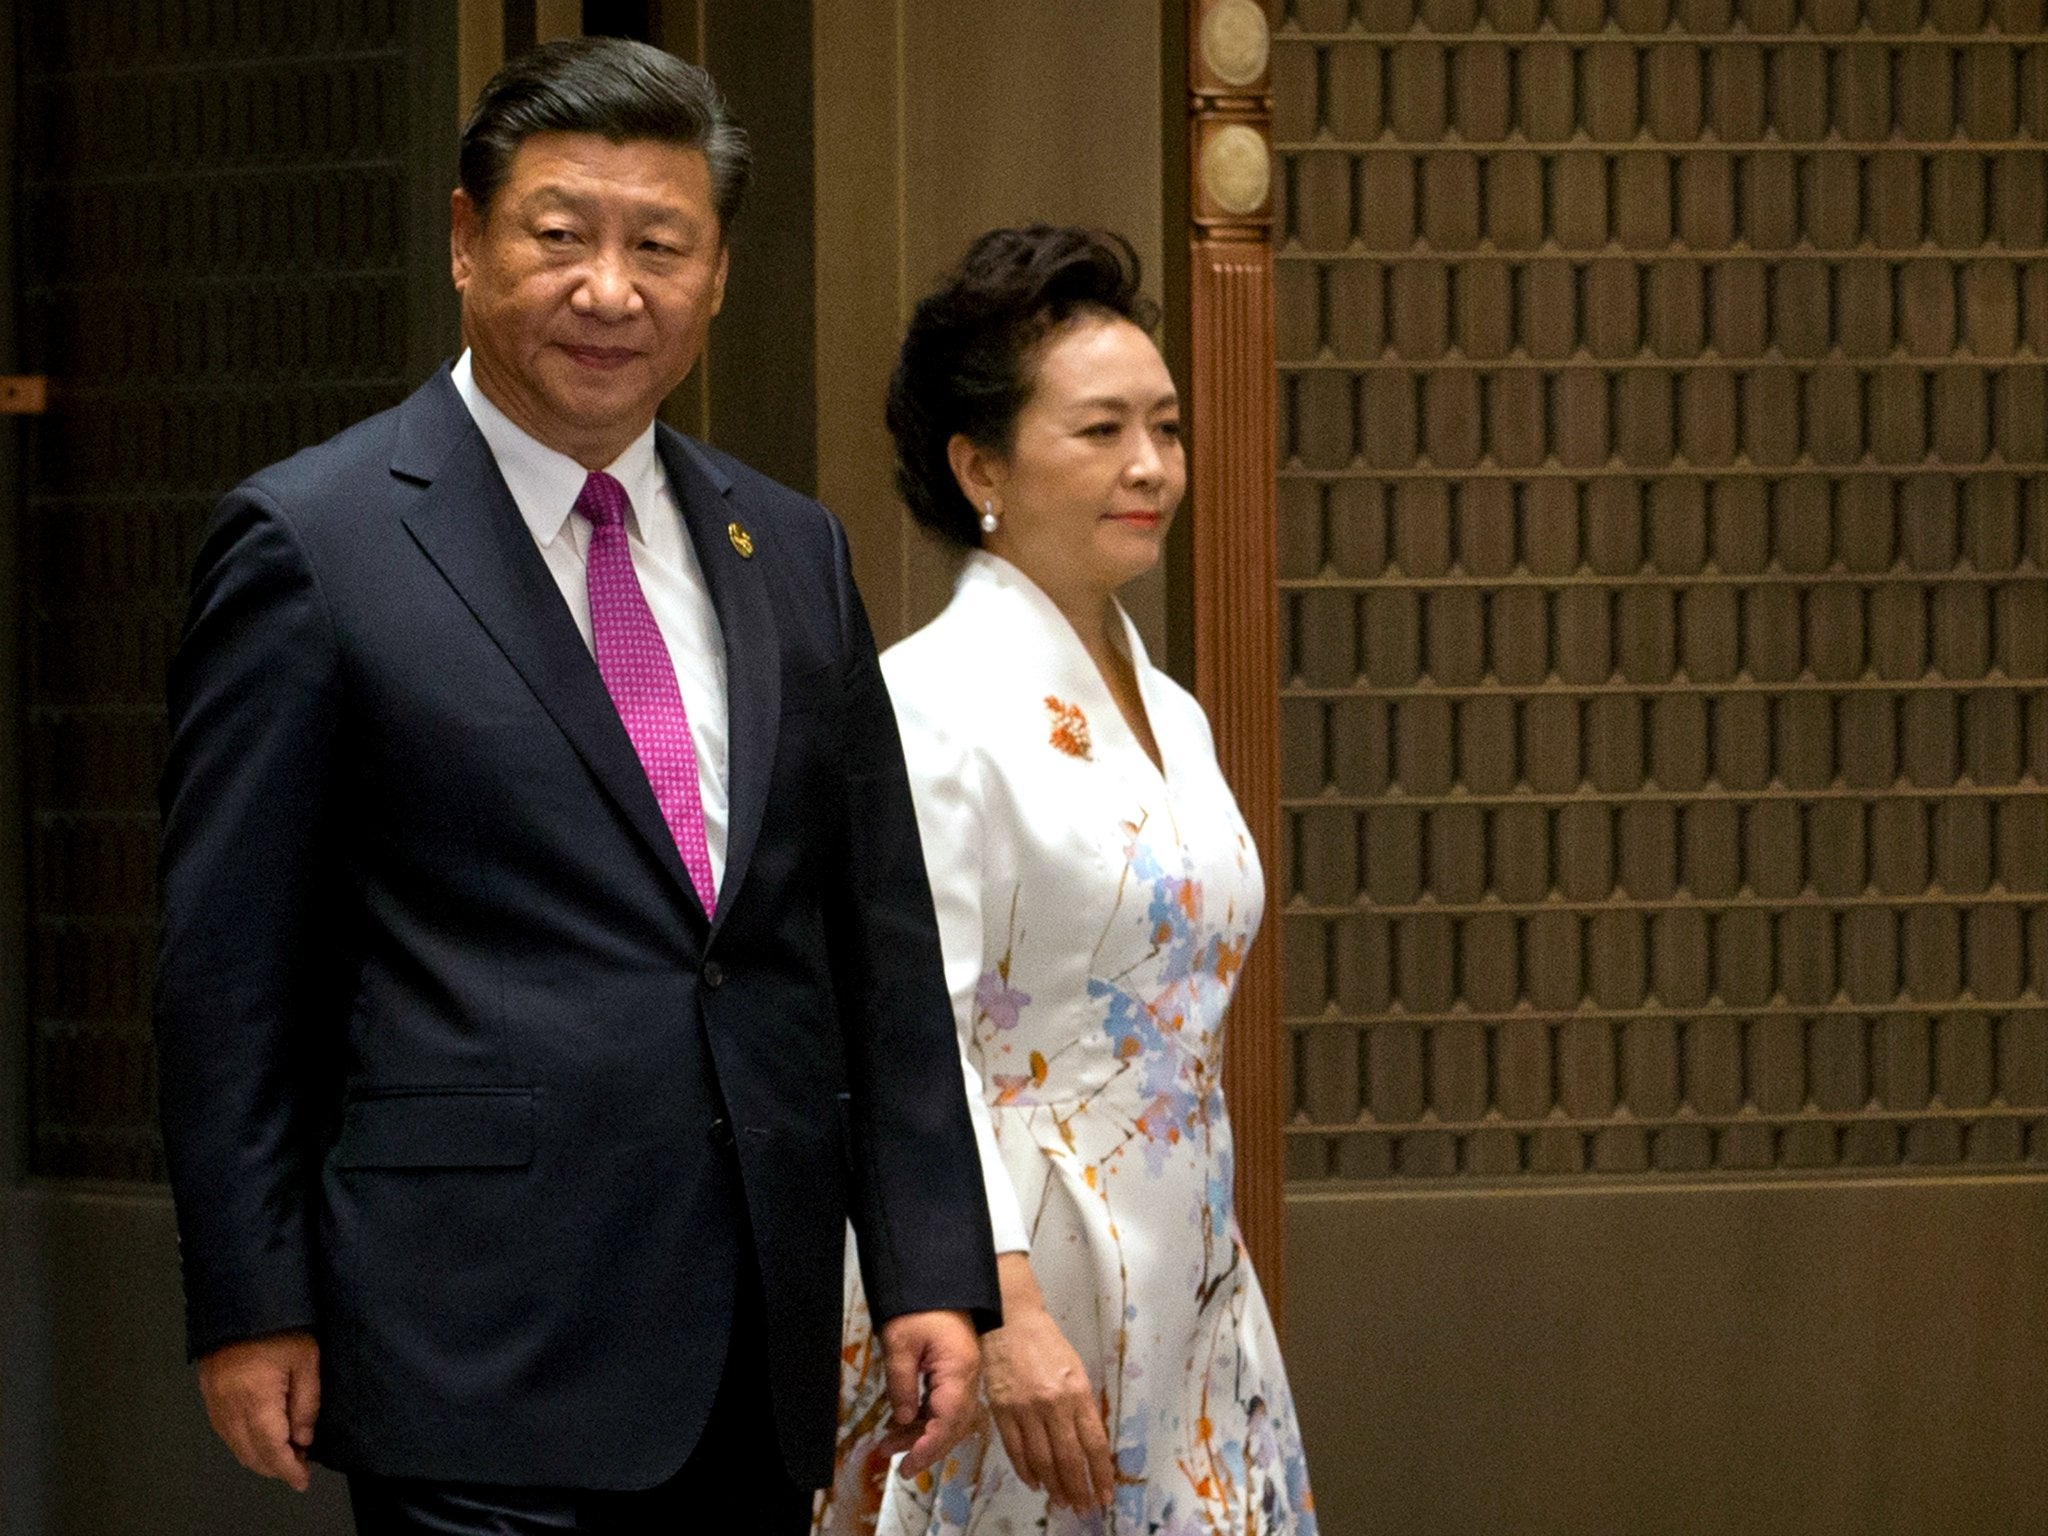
544	482
992	573
1051	659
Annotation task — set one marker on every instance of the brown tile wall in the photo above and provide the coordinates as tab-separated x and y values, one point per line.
1664	561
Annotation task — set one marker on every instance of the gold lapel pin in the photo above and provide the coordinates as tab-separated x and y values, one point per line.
741	540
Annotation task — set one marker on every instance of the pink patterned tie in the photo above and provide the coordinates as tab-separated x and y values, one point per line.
634	663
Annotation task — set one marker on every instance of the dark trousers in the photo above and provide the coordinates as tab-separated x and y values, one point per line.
733	1482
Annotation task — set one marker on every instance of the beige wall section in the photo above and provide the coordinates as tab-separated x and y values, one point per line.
1834	1358
557	18
479	49
935	121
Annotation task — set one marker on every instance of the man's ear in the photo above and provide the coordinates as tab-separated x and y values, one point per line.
465	232
718	280
977	471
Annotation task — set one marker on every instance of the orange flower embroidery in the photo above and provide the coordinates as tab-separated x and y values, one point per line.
1069	728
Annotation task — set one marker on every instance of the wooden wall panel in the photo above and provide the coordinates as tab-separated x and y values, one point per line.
935	121
1665	619
1728	1358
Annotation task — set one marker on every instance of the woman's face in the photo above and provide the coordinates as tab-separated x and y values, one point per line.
1095	468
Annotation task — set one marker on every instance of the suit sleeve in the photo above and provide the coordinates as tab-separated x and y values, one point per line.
920	1215
945	786
246	862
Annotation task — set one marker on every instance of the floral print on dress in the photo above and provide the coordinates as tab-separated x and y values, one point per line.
1069	727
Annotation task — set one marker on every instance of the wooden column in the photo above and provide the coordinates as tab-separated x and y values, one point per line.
1236	599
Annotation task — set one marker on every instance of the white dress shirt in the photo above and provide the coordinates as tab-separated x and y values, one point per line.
545	485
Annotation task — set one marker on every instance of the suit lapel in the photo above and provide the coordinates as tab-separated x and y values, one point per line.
468	525
753	651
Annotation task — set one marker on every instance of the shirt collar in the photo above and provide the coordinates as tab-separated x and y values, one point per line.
545	483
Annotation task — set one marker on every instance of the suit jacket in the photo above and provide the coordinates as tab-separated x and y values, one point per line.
455	1069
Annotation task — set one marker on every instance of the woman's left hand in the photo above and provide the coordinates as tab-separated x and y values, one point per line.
1041	1399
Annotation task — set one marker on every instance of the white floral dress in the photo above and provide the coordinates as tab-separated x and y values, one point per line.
1094	913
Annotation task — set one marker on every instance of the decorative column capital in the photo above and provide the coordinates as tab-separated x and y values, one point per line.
1230	117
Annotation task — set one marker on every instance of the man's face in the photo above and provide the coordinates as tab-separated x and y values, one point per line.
588	285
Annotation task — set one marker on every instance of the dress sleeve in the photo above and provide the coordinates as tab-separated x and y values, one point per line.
945	783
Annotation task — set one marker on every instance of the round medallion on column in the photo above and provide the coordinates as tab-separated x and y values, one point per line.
1235	41
1236	171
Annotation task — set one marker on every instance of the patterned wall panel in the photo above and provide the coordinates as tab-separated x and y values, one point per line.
1664	556
213	228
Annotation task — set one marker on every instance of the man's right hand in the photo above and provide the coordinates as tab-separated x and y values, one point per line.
262	1396
932	1361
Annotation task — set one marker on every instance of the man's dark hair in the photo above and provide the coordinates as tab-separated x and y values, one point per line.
612	87
969	360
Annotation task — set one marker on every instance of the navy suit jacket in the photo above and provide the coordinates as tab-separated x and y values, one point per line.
456	1071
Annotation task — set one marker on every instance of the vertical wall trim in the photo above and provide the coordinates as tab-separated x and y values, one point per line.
762	363
13	745
1175	214
433	324
522	27
1233	559
679	27
900	622
858	294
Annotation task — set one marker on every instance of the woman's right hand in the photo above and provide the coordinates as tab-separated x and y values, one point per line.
1041	1399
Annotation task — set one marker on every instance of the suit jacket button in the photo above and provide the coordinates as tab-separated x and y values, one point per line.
719	1132
714	975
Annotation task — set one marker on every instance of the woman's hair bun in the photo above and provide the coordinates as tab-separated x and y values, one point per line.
969	356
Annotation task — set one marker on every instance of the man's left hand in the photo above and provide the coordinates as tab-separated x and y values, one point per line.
933	1363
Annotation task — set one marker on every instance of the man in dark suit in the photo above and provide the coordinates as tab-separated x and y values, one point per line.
548	971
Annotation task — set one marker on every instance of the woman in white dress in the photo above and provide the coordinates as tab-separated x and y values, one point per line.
1097	891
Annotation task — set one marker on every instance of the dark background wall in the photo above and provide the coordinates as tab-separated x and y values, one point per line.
229	230
229	251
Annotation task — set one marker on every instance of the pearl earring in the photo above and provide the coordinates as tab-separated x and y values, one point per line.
988	516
